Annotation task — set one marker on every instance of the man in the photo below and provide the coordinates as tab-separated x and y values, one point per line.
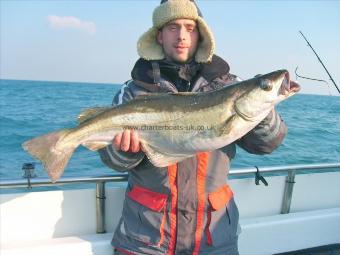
186	208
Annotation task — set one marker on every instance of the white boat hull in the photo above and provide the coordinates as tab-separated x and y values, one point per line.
64	222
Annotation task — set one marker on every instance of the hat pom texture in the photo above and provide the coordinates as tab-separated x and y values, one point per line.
148	47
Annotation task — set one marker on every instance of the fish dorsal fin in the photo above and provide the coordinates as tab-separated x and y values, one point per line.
159	95
91	113
151	95
184	93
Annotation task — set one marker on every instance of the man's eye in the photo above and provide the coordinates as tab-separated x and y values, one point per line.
173	28
191	29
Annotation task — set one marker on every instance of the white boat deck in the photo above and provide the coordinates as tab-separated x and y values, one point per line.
64	222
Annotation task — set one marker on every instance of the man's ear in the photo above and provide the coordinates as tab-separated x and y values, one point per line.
160	37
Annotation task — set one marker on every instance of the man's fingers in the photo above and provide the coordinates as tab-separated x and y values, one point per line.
125	144
128	140
117	141
134	142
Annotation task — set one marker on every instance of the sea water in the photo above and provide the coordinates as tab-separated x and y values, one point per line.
32	108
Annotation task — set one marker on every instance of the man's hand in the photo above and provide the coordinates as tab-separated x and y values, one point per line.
127	140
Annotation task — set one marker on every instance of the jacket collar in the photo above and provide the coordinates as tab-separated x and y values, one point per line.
143	73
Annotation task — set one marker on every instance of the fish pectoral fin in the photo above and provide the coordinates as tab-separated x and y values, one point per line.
91	113
94	146
225	127
160	159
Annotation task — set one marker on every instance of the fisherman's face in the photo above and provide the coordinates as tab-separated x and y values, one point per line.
179	39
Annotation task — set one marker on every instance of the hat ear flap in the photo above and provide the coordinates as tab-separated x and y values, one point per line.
148	46
206	46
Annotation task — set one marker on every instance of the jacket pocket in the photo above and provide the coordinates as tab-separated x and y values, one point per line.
150	199
221	217
220	198
144	215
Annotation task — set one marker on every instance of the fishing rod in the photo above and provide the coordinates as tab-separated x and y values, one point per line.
320	61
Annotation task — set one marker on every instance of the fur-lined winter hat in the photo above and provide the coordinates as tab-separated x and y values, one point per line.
148	47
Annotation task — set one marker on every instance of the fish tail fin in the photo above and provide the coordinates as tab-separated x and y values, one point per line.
45	149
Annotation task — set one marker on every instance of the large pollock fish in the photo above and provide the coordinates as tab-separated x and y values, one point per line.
171	127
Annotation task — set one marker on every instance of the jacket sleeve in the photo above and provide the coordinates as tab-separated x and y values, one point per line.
117	159
267	135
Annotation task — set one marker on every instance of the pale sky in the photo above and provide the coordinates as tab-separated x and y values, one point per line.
95	41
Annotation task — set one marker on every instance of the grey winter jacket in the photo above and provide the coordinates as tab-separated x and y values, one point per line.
186	208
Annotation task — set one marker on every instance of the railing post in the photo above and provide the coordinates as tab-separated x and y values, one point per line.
288	193
100	207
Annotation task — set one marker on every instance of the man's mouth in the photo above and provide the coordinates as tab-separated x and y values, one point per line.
181	47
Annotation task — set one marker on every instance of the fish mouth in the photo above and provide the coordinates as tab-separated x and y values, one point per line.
288	87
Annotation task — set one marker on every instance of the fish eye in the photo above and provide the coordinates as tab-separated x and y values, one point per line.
266	85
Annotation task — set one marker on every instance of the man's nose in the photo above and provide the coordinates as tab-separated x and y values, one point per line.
182	34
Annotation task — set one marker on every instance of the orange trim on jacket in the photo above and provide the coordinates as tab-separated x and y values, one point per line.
202	166
172	173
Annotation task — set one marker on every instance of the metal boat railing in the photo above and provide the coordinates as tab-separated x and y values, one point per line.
101	180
